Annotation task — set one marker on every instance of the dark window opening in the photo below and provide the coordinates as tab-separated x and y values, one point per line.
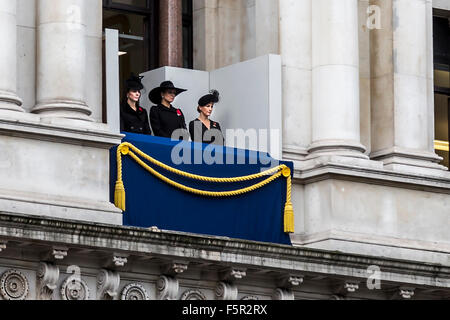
138	24
138	34
188	37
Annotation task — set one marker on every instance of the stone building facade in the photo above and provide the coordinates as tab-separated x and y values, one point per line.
371	196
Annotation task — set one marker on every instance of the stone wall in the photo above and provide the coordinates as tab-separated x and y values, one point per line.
101	262
230	31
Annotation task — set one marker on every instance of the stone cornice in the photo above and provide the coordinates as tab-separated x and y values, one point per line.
214	250
367	175
90	134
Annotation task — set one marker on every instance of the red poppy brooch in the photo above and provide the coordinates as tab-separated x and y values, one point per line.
179	113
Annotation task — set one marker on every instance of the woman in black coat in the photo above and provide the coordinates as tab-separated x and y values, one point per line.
203	129
164	118
133	118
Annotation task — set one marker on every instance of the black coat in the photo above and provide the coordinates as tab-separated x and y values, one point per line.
213	135
134	121
165	120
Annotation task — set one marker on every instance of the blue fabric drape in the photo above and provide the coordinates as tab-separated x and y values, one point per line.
257	216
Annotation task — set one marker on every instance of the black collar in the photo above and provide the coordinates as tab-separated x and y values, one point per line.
213	124
170	109
127	108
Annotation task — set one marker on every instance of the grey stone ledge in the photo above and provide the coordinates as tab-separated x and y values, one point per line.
90	136
215	250
372	176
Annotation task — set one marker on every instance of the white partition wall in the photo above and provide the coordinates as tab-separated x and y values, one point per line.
250	98
112	79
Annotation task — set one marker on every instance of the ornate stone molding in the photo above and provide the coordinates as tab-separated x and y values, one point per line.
343	289
116	260
283	294
406	293
289	281
226	291
54	254
24	230
193	295
107	285
120	260
74	288
351	286
232	274
174	268
14	285
134	291
59	253
167	288
47	277
250	298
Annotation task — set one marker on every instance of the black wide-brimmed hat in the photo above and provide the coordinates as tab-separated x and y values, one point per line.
213	97
134	82
155	94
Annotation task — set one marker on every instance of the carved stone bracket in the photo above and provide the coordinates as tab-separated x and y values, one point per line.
226	291
174	268
167	288
289	281
406	292
3	245
402	292
59	253
107	285
47	277
232	274
351	286
116	260
283	294
120	260
347	287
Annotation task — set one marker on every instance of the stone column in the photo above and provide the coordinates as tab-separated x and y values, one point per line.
94	60
8	57
205	24
402	83
61	60
171	33
335	79
295	50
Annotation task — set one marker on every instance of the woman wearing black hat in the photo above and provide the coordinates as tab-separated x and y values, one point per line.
203	129
164	118
133	118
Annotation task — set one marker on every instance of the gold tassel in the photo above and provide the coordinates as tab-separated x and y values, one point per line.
119	195
289	226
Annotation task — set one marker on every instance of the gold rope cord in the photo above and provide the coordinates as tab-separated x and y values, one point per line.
282	170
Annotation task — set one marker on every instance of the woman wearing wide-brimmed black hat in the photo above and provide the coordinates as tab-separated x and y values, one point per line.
203	129
133	118
164	118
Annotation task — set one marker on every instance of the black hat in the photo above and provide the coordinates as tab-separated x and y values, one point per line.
134	82
155	94
213	97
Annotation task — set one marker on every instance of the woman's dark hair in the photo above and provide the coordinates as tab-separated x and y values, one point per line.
213	96
125	97
132	83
